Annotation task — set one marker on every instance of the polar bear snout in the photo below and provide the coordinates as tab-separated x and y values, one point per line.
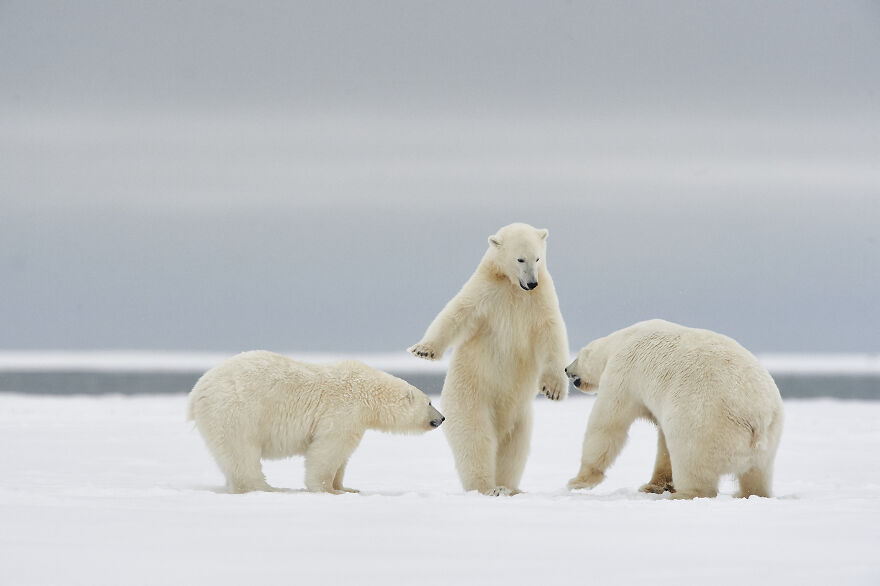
574	377
436	418
527	273
570	373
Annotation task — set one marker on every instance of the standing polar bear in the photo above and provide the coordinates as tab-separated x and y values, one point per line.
716	408
510	342
260	405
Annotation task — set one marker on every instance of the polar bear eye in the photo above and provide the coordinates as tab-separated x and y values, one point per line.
520	260
537	259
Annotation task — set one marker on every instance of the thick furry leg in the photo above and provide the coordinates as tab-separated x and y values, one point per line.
690	484
474	448
325	456
242	468
661	480
756	481
337	481
605	437
513	451
696	471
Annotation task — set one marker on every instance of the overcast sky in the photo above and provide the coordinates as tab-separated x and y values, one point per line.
323	176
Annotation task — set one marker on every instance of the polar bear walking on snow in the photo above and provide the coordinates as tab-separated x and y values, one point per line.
510	343
260	405
716	408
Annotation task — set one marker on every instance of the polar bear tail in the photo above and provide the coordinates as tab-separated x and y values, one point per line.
759	440
765	434
759	430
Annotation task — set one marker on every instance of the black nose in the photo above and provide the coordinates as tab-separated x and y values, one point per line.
532	285
576	381
437	422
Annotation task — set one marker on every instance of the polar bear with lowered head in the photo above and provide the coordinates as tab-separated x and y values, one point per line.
260	405
510	343
716	408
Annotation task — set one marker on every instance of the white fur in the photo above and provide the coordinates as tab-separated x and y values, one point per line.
716	407
260	405
510	343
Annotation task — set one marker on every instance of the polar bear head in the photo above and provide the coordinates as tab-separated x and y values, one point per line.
519	251
400	407
586	370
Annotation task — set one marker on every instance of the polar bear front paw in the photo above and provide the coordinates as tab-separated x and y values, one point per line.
554	386
425	350
588	480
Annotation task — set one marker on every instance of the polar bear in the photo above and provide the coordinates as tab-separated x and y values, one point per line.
716	408
510	342
263	405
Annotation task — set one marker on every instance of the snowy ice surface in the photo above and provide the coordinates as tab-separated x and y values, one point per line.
120	490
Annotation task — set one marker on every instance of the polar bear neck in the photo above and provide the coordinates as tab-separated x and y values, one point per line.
489	271
490	268
385	401
384	417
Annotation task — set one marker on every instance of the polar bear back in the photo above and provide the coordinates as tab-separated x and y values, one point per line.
276	401
260	380
671	367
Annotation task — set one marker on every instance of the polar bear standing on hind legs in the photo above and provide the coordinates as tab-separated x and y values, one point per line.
716	408
510	343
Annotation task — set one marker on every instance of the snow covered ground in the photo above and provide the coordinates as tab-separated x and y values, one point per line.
120	490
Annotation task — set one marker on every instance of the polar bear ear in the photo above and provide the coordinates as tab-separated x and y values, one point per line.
495	241
543	233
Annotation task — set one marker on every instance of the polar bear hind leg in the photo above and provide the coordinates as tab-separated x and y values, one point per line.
690	486
755	481
240	464
694	477
758	480
513	451
474	448
661	479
